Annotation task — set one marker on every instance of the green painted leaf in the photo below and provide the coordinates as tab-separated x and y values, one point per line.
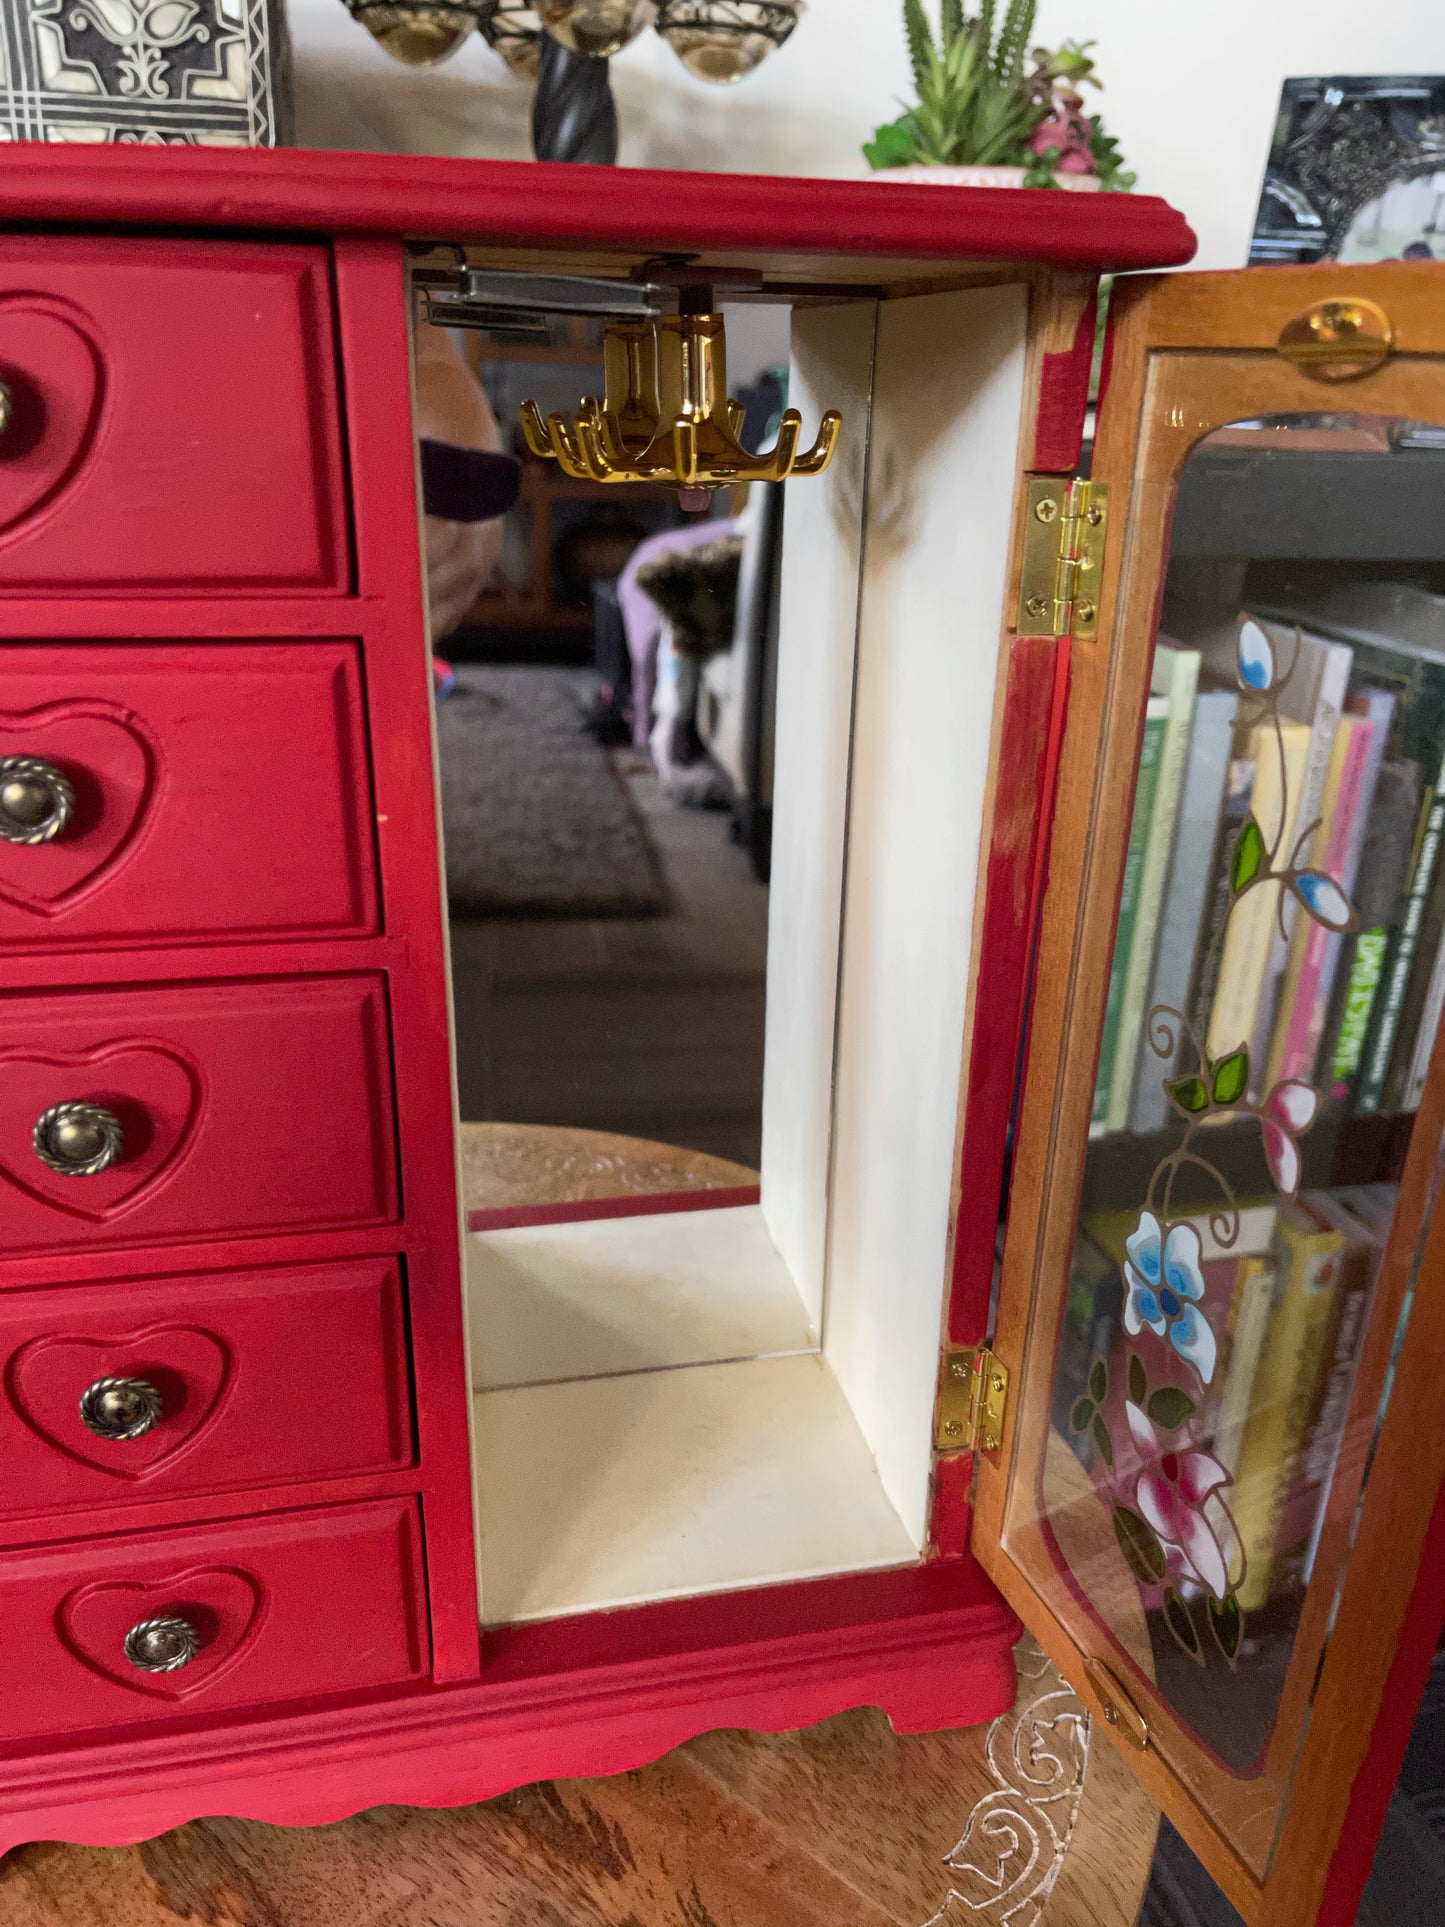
1189	1093
1227	1624
1138	1382
1180	1622
1139	1545
1250	853
1103	1441
1231	1077
1169	1407
1080	1416
1099	1380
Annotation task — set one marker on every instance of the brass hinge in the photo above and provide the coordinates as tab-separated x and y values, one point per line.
972	1396
1063	557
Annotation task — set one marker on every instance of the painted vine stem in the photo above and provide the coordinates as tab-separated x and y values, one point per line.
1170	1514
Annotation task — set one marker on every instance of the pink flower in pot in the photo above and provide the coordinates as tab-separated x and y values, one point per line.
1067	128
1172	1492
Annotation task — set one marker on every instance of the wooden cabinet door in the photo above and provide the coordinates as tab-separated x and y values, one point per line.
1223	1284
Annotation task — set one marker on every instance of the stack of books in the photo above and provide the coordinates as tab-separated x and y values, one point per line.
1289	1302
1361	756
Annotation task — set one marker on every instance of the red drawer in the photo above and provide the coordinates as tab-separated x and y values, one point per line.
233	1107
196	1384
173	420
214	790
297	1604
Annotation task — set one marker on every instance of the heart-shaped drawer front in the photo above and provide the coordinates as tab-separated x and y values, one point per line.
214	790
201	1384
205	1618
193	1110
174	421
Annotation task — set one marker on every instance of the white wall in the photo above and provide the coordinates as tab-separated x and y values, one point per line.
1191	91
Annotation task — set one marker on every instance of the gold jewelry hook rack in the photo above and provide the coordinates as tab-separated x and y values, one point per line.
666	416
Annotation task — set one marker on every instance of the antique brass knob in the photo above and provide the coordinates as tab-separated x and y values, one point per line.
121	1408
36	800
1338	340
162	1645
78	1140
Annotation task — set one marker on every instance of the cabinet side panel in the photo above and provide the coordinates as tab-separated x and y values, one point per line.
947	403
822	554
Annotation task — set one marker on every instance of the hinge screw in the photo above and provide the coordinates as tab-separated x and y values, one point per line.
953	1428
998	1381
1037	605
960	1369
1047	510
1086	612
1093	515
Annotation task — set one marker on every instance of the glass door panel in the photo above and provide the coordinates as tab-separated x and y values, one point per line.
1252	1185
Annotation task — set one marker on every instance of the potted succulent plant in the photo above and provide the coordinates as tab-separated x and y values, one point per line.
991	112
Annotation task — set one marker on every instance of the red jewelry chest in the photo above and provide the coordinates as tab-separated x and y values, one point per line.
264	1601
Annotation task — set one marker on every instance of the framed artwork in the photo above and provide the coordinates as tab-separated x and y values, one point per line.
1356	172
210	73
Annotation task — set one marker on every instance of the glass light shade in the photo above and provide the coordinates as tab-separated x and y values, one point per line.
419	36
724	40
513	30
596	26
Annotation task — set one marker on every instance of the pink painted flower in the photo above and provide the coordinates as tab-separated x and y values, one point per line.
1171	1494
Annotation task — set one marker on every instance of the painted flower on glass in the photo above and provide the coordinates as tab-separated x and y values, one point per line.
1171	1494
1289	1110
1166	1281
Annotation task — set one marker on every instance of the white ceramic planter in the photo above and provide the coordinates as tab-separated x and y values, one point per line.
985	177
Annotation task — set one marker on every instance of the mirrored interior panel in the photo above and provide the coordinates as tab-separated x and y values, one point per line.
1272	1007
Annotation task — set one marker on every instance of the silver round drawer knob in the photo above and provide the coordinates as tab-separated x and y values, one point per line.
78	1140
162	1645
36	800
121	1408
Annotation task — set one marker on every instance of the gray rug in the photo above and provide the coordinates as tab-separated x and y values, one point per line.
537	823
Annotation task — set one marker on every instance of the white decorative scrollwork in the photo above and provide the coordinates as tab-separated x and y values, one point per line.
1015	1841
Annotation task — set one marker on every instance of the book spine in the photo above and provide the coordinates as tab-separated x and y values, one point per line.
1425	1036
1251	927
1254	1297
1191	874
1284	1393
1390	1000
1149	751
1305	999
1183	681
1219	898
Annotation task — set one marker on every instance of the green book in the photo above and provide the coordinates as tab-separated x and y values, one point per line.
1176	679
1156	720
1395	976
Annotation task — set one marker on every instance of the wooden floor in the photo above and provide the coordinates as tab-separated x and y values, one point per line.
648	1026
1033	1822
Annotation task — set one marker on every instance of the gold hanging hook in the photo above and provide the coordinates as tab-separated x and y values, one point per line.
666	416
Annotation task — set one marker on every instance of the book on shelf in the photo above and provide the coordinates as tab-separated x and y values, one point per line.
1389	1003
1344	807
1219	891
1380	890
1193	869
1250	1306
1313	694
1175	677
1428	1027
1286	1384
1307	1506
1252	927
1416	1032
1092	1311
1156	718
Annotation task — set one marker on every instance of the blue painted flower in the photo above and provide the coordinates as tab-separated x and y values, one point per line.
1166	1281
1256	656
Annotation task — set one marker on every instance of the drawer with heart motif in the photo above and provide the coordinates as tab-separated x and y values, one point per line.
169	418
194	1110
156	792
182	1385
108	1632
